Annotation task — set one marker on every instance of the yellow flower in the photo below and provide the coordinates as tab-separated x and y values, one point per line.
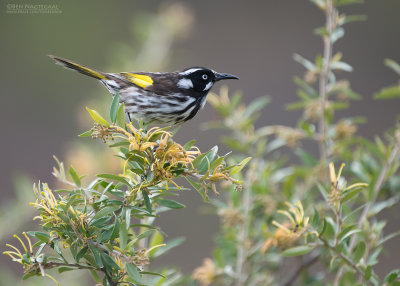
336	192
16	255
289	231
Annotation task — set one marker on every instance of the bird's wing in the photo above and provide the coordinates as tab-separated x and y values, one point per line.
139	79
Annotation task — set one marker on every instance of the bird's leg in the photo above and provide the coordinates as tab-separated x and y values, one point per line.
129	117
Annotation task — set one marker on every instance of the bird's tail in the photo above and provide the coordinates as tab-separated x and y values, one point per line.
82	69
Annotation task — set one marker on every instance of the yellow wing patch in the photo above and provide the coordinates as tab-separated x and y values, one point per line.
138	79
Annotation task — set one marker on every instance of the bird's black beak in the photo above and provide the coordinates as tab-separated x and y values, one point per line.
220	76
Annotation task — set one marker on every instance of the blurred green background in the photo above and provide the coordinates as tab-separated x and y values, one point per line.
42	105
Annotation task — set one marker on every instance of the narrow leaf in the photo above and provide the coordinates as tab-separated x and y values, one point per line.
133	273
240	166
147	201
75	176
114	108
359	251
81	253
97	117
170	204
297	251
121	115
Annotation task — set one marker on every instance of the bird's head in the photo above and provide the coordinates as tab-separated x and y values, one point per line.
201	79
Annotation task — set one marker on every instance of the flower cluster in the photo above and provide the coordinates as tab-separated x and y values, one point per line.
288	232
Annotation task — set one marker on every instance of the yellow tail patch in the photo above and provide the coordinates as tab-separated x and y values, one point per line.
88	70
138	79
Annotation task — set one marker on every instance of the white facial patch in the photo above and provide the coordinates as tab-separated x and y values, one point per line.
208	86
189	71
185	83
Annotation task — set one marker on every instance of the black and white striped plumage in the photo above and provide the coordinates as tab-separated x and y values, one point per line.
160	97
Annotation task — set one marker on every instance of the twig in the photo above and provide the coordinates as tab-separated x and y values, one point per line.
346	259
304	265
364	215
108	277
75	265
323	79
242	237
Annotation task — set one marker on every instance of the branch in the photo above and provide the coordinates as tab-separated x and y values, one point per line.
347	260
243	234
323	79
75	265
364	216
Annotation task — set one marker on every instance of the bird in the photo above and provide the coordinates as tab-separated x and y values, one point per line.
156	97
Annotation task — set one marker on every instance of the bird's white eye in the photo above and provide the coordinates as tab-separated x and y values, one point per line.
204	76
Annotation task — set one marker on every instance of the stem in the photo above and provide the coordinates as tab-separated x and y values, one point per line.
347	260
243	234
76	265
323	79
109	279
364	216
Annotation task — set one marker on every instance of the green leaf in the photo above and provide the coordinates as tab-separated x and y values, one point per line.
359	251
114	108
388	93
144	234
121	115
349	194
75	176
239	167
189	144
86	134
297	251
315	220
393	65
368	272
337	34
95	276
170	204
170	244
108	262
306	87
115	178
133	273
65	269
348	231
341	66
30	274
156	239
153	273
115	230
42	236
128	218
123	235
104	212
198	187
207	160
97	117
217	162
322	31
81	253
391	276
147	202
96	254
303	61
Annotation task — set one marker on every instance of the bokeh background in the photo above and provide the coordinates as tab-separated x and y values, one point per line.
42	106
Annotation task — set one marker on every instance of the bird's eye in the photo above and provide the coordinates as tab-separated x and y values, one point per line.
204	76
